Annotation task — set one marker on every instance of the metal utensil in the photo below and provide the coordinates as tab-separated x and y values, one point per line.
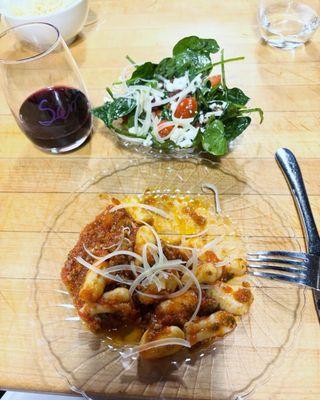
296	267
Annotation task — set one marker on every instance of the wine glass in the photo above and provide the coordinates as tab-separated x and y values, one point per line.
43	87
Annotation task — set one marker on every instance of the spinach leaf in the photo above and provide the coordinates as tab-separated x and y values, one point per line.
130	122
166	146
102	112
190	54
144	71
231	110
195	44
251	110
201	94
166	68
120	107
178	65
223	73
193	62
166	114
214	140
235	126
111	111
236	95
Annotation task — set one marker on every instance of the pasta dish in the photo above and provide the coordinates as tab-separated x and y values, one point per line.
166	263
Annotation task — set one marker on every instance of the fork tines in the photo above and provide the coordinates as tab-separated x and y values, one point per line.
279	265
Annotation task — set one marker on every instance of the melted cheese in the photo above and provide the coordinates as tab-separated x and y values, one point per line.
188	215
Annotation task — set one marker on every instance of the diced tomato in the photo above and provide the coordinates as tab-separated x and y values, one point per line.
187	108
165	131
215	80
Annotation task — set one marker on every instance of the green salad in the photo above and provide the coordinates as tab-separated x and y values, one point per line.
178	104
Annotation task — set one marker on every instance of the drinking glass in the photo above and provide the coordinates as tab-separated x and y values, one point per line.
43	87
288	24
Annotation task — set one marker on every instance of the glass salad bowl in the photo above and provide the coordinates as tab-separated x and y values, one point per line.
156	152
231	368
179	106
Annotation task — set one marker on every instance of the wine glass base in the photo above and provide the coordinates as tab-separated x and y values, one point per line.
73	146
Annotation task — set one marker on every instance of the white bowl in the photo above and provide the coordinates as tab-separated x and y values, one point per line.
69	20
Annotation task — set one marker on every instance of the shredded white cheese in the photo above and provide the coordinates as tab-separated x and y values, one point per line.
177	83
183	137
38	7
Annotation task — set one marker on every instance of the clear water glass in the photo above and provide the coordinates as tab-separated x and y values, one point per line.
288	24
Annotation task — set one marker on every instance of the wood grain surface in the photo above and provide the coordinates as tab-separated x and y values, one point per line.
33	184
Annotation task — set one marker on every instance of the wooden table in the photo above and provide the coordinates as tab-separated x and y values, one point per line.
284	83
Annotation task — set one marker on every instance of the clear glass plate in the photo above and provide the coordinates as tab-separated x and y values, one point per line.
230	369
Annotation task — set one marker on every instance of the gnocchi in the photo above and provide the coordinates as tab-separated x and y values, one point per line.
177	310
236	267
114	301
93	286
164	333
235	300
208	273
216	325
169	285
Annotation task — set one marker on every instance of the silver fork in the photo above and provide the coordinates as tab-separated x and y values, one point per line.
296	267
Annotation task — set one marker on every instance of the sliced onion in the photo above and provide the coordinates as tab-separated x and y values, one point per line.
181	94
176	279
118	253
164	296
141	205
93	255
152	345
130	139
105	274
180	247
207	286
115	268
151	295
146	264
123	267
179	268
134	268
123	76
221	263
166	124
193	260
148	89
158	240
153	249
214	188
147	274
118	245
211	244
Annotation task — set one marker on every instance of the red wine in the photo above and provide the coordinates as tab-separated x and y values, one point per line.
56	117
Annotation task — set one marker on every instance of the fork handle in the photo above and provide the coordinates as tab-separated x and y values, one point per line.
291	170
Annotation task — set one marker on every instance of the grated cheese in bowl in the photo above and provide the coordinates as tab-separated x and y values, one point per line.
38	7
